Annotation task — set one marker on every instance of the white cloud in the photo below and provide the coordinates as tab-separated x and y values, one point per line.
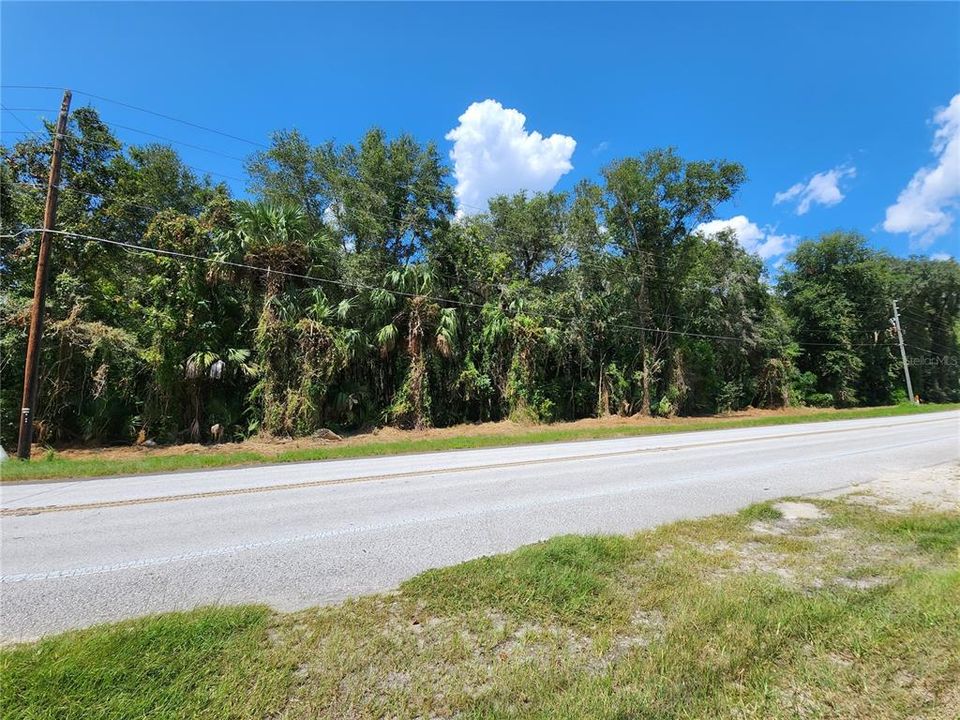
941	256
747	233
925	208
822	189
494	154
753	239
776	245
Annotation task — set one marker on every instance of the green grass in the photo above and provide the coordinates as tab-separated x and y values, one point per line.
761	511
53	466
182	665
703	619
564	579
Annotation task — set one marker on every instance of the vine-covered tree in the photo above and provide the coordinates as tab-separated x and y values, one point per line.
345	291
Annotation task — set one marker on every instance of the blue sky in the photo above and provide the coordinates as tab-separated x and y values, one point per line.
793	91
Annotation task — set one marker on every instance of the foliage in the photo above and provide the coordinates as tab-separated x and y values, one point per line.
348	292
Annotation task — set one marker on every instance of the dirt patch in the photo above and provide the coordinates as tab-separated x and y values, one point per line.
936	488
864	583
799	511
804	552
794	519
273	446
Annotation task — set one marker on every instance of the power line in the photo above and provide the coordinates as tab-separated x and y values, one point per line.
928	352
16	117
200	127
233	137
191	167
143	110
926	320
622	272
175	142
926	323
365	286
112	125
614	269
366	181
370	181
110	146
102	196
379	263
341	283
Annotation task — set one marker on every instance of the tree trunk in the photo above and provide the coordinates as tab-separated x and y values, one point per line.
645	379
603	394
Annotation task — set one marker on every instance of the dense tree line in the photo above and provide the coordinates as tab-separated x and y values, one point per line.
349	293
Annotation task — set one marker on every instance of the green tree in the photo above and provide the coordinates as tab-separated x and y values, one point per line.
837	292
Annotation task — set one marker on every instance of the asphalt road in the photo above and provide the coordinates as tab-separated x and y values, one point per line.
292	536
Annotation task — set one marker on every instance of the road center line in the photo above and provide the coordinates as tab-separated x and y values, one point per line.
107	504
370	527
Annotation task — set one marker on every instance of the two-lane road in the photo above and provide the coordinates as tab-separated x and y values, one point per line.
78	553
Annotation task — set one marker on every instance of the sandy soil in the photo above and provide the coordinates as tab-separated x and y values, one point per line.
934	488
272	445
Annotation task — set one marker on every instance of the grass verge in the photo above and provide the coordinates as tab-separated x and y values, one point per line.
52	466
855	614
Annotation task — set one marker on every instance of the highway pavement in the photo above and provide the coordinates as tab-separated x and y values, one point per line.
82	552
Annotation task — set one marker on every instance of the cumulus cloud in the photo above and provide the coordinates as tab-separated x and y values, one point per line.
755	240
941	256
822	189
926	207
493	154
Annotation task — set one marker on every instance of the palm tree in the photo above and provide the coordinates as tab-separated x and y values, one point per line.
429	329
273	237
295	346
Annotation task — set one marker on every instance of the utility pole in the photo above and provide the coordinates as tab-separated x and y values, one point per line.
30	368
903	353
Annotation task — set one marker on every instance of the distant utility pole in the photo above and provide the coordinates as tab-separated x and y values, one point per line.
30	374
903	353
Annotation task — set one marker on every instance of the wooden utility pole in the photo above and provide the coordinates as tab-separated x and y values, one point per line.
30	368
903	353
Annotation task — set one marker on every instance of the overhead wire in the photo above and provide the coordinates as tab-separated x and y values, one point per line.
188	123
443	196
174	141
103	196
439	196
112	146
923	321
356	285
131	106
16	117
497	233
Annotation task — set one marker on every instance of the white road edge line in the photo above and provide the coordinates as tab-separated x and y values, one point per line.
27	510
243	547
